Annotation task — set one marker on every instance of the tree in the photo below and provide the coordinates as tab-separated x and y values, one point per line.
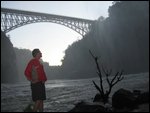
116	78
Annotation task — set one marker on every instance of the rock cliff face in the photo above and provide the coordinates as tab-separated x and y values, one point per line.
8	61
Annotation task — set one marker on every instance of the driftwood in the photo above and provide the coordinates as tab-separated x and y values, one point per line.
116	78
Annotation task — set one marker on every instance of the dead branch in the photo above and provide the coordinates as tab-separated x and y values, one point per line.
117	78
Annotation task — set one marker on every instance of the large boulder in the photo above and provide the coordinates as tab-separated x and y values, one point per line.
123	99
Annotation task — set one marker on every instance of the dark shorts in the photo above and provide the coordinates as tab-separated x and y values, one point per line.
38	91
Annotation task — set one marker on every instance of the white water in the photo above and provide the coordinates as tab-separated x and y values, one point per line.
62	95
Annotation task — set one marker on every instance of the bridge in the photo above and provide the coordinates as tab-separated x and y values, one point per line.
12	19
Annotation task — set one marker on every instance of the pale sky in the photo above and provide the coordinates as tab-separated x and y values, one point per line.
52	39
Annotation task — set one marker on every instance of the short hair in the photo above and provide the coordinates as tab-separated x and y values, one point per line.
35	52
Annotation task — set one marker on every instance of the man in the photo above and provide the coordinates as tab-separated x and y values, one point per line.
34	72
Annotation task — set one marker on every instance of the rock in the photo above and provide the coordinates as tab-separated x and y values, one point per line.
142	108
83	107
136	92
29	108
97	98
142	98
123	99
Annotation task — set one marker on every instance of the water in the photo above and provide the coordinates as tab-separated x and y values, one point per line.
62	95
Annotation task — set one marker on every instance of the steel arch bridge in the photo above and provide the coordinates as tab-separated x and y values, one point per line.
12	19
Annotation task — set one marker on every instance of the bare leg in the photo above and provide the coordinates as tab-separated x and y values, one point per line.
41	106
37	105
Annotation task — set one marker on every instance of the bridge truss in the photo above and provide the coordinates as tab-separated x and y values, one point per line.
12	19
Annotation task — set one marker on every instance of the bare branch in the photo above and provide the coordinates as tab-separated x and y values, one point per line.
118	77
99	71
114	77
92	54
96	86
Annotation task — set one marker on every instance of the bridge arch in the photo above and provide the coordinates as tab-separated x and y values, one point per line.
12	19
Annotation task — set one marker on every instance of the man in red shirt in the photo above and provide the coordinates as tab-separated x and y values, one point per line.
34	72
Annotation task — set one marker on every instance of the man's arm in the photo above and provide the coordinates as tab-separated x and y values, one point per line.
28	71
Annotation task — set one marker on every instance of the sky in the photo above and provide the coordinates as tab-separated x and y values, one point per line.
53	39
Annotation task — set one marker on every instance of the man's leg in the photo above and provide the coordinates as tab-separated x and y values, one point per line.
41	106
37	105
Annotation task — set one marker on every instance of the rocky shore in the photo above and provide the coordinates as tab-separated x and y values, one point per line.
122	101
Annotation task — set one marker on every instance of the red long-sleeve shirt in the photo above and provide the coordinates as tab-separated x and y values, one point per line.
39	69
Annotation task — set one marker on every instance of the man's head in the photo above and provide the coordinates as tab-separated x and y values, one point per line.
36	53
